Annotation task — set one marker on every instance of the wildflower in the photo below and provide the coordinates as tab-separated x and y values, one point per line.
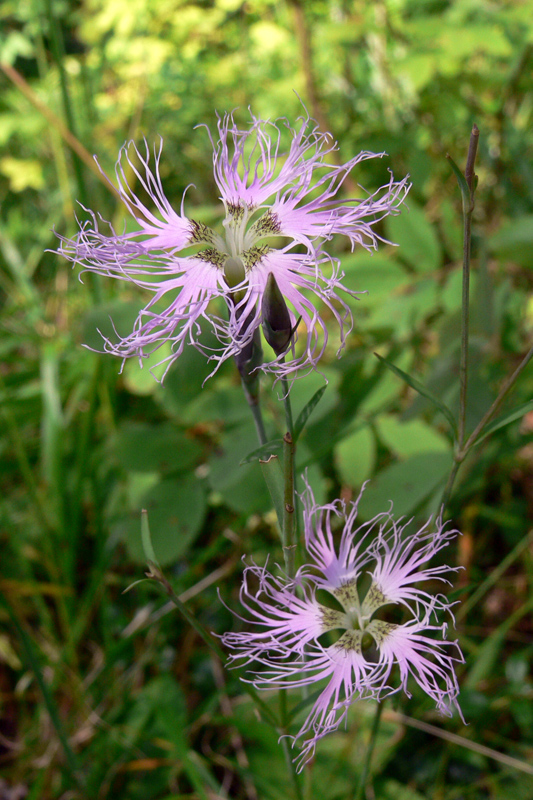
369	581
276	205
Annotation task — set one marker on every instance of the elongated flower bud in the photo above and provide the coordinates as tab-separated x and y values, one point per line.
277	327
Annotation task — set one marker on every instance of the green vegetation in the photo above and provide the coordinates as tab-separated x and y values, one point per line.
106	693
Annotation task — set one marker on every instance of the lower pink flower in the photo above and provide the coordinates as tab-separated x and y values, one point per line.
383	618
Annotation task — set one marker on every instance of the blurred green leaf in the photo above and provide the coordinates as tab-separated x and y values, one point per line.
407	484
140	447
514	241
176	509
355	456
108	320
410	438
416	237
241	486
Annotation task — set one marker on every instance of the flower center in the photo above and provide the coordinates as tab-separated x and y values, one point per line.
361	633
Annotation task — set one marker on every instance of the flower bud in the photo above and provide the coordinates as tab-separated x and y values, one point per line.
277	327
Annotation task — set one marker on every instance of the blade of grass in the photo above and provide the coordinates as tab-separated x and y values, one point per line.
71	766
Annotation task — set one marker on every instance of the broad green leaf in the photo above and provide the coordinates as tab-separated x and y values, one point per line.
139	447
421	389
144	379
355	456
216	402
374	274
418	243
306	412
394	790
187	382
403	311
407	483
386	389
410	438
241	487
176	509
514	240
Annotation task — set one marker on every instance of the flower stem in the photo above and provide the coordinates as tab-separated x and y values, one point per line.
252	398
462	453
467	185
287	405
468	210
156	573
294	501
369	752
287	533
285	744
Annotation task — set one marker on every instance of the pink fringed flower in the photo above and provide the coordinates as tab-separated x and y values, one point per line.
380	617
280	208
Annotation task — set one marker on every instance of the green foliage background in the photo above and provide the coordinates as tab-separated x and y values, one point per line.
105	694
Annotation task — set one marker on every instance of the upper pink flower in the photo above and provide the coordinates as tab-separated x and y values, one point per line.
280	209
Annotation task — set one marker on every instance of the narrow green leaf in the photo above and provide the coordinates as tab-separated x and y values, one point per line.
461	180
262	453
147	539
273	475
504	420
490	649
421	389
306	412
135	583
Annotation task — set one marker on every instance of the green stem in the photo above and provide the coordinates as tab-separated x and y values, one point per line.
287	405
291	767
505	387
155	573
287	532
255	408
290	428
462	453
369	752
468	209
